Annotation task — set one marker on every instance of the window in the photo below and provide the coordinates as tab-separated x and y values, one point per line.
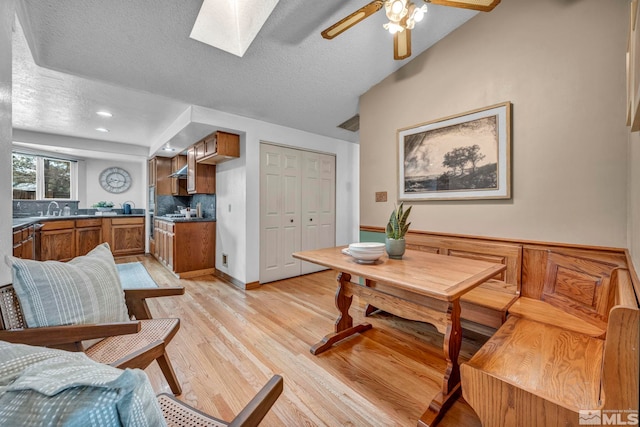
39	178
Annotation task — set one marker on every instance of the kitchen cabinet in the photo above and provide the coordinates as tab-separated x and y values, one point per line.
62	240
200	153
124	235
178	185
201	178
186	248
88	235
23	242
56	241
218	147
159	171
164	248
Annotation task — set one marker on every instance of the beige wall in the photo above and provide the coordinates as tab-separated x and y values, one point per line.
634	199
562	65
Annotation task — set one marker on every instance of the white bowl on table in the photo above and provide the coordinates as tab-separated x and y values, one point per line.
366	252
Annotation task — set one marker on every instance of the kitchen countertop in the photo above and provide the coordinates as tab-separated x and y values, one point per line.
171	219
23	222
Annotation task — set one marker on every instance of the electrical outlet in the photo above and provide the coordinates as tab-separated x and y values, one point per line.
225	260
381	196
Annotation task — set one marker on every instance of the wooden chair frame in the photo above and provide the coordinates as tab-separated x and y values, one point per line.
133	344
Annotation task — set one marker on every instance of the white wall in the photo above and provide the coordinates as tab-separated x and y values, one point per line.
238	184
93	192
562	65
7	10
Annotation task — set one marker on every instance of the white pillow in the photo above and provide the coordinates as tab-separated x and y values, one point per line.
82	291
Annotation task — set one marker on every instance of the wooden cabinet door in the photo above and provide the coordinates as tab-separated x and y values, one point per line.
169	248
178	186
200	150
57	245
158	236
191	170
127	236
88	234
87	238
163	170
27	249
152	172
211	144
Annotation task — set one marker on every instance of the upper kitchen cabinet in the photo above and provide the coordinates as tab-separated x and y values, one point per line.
159	171
201	178
178	185
217	148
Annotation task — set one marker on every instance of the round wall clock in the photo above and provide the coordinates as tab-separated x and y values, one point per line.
115	180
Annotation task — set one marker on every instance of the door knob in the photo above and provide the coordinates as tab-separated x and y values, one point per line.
291	220
310	219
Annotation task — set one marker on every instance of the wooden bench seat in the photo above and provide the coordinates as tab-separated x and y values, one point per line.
484	308
541	368
524	354
487	305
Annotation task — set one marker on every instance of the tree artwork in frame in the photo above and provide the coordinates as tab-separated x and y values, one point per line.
462	157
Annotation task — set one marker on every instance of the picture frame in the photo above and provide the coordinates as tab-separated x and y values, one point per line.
461	157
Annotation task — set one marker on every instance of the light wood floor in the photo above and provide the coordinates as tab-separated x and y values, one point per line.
232	341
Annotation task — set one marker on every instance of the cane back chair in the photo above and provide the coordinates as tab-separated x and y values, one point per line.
133	344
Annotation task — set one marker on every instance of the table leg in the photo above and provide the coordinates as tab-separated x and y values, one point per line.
344	323
451	382
369	309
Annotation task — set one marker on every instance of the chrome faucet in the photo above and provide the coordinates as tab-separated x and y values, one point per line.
49	213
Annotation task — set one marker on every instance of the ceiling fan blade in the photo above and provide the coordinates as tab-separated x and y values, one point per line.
402	44
351	20
481	5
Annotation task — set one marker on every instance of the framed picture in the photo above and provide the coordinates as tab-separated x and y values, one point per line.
467	156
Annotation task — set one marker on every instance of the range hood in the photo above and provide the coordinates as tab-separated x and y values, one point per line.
182	173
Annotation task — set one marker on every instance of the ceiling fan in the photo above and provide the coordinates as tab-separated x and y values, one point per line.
402	15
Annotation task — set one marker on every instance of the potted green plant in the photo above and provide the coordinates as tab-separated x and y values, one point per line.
103	206
397	227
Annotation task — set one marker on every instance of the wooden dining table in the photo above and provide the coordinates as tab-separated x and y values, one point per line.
421	286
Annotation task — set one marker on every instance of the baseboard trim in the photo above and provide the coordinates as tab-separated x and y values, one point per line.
194	273
235	282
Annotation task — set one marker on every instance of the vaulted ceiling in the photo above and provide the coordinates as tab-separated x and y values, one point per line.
135	59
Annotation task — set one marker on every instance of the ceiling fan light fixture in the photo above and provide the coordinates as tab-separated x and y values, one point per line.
393	28
396	10
419	12
397	7
416	14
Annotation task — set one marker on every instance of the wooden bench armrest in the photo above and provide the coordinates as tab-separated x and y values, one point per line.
258	407
135	299
621	359
68	337
625	294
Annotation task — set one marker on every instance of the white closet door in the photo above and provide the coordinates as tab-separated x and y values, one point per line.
318	204
279	212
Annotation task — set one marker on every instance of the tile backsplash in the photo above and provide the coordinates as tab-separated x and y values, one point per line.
27	208
172	204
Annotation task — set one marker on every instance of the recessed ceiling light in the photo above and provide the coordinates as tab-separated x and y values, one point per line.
104	113
102	129
169	149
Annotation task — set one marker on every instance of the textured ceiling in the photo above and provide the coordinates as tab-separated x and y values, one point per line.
288	76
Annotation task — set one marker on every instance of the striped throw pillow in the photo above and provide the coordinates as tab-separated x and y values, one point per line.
82	291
